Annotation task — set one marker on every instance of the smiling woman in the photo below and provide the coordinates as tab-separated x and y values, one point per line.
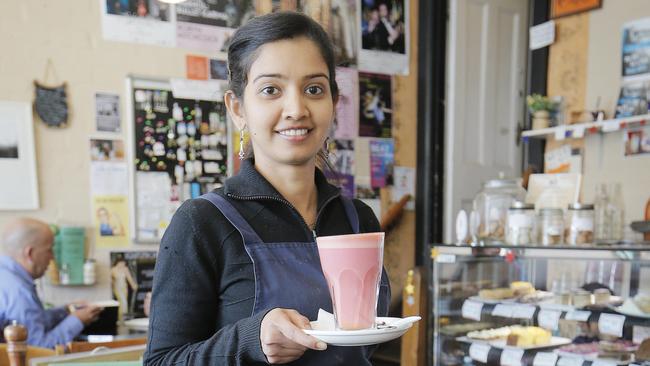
247	297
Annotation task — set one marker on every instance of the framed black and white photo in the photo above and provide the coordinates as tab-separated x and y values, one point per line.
19	184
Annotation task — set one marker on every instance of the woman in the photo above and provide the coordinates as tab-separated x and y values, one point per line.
238	275
121	280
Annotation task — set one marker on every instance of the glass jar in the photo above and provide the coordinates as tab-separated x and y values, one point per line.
580	224
492	204
551	226
520	224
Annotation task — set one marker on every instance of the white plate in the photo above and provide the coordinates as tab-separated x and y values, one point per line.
137	324
630	308
501	343
105	303
363	337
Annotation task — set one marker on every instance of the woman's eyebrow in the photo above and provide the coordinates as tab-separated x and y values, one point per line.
280	76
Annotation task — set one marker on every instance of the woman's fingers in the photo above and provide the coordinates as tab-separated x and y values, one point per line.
282	336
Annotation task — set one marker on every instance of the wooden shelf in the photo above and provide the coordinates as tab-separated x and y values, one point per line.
580	130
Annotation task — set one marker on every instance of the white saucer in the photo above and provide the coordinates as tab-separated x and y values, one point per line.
384	333
141	324
105	303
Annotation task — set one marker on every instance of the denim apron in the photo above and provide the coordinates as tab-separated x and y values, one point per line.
289	275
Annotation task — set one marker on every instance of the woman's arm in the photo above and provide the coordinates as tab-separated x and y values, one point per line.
185	299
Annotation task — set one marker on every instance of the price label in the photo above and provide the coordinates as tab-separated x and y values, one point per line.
560	133
511	357
640	333
548	319
610	126
503	310
545	359
523	311
598	362
479	352
611	324
446	258
578	132
570	361
472	310
578	315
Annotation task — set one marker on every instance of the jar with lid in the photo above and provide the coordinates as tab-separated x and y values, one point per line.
580	224
551	226
492	204
520	224
89	272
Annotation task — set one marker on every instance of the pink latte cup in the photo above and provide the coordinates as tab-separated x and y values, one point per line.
352	265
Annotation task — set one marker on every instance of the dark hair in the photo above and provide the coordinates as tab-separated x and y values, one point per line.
247	40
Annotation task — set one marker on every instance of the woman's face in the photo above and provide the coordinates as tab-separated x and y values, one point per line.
287	104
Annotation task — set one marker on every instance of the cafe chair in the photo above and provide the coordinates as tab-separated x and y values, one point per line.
16	352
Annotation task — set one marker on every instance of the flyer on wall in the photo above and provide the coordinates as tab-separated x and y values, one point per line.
340	20
346	123
208	25
111	221
375	107
107	112
138	21
382	157
634	96
384	37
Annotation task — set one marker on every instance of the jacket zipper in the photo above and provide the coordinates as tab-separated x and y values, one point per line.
313	232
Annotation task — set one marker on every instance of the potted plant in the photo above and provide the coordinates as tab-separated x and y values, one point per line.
540	107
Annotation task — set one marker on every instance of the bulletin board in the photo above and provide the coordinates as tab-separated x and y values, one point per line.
178	149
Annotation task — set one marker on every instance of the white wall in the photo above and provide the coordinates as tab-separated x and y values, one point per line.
604	161
69	33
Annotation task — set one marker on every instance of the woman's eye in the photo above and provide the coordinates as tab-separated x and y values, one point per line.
270	90
314	90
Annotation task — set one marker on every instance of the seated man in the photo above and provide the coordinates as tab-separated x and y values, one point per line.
27	248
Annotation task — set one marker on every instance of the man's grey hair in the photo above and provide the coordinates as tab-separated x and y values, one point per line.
20	234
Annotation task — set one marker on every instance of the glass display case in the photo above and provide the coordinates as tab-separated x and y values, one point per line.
540	306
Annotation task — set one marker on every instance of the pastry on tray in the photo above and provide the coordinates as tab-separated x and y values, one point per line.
515	335
496	294
522	288
642	301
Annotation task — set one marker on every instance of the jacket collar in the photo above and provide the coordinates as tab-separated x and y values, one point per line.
10	265
249	183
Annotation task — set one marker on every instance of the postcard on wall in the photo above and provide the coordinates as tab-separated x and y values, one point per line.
197	67
111	221
404	183
346	123
107	112
636	50
637	141
375	107
106	150
560	8
208	25
218	69
19	183
138	21
384	36
154	204
131	278
382	157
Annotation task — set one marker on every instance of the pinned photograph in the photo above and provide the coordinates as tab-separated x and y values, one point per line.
138	21
107	112
106	150
131	280
157	10
384	36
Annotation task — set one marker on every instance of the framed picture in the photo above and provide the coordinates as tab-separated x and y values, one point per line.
19	185
561	8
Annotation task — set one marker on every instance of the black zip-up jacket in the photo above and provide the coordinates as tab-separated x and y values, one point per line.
204	286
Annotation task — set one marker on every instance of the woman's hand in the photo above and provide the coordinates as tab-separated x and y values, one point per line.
282	337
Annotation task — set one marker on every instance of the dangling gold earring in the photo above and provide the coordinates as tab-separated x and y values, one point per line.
241	144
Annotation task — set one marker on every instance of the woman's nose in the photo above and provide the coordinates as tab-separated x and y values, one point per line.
294	106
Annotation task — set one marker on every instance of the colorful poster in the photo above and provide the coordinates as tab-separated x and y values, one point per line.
637	141
382	157
340	20
346	123
375	108
131	280
208	24
111	221
138	21
107	112
343	181
384	36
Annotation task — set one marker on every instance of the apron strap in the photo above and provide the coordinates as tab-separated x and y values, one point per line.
352	214
248	234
